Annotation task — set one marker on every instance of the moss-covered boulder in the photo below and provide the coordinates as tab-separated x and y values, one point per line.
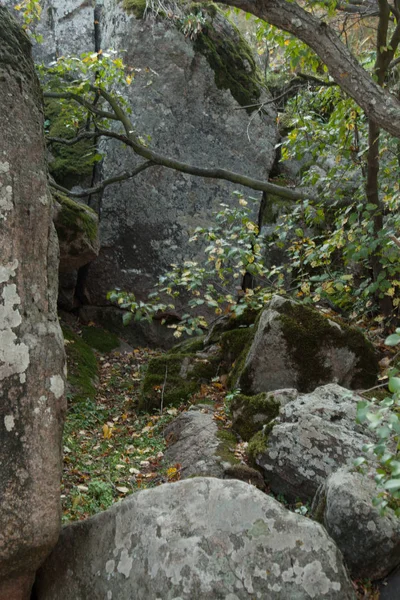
251	413
77	230
296	346
173	378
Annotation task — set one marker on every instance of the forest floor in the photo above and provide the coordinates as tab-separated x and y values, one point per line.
110	448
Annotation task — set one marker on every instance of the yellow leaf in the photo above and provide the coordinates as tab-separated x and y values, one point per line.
107	431
129	80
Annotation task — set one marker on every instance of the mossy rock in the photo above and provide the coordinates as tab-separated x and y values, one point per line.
229	56
73	218
77	228
296	346
100	339
233	342
135	7
227	445
251	413
173	378
257	445
82	367
193	344
69	164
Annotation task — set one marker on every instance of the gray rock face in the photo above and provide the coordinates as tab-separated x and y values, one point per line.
31	343
146	223
188	111
295	346
196	539
195	445
369	542
314	436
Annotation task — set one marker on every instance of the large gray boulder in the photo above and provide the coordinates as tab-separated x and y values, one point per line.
182	99
370	542
313	436
31	343
199	539
295	346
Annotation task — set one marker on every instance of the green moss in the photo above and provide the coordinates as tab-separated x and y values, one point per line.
245	408
229	56
188	346
100	339
306	331
74	217
175	377
69	163
257	445
239	370
233	342
82	366
227	445
136	7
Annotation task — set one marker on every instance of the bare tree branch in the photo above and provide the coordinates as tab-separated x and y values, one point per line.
131	140
106	182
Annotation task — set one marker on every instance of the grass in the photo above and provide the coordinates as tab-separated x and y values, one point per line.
111	450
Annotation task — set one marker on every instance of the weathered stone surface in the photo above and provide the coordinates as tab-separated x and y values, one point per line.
181	102
295	346
202	539
77	230
369	542
251	413
314	435
196	443
31	344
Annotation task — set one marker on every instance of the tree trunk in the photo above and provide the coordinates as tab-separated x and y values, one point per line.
31	345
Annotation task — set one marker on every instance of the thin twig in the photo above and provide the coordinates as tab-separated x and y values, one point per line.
162	390
361	392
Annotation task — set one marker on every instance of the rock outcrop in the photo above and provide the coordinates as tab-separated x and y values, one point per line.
295	346
200	538
184	98
31	343
314	435
370	542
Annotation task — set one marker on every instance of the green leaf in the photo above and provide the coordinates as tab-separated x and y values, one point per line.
394	384
392	340
392	485
126	318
